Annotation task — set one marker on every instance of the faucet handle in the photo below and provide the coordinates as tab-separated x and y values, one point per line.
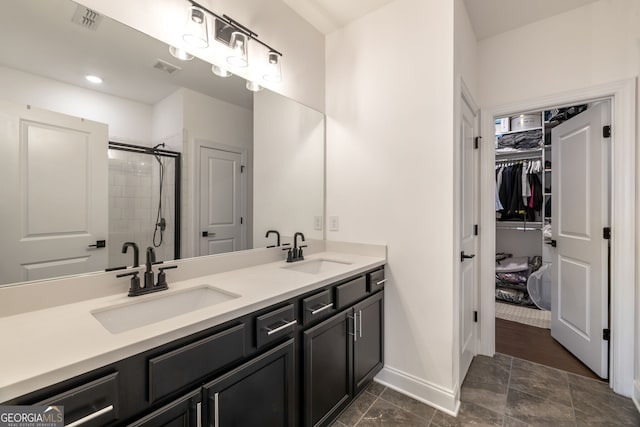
135	282
162	276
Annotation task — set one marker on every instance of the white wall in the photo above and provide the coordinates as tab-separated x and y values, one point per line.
129	121
288	168
389	177
596	44
302	45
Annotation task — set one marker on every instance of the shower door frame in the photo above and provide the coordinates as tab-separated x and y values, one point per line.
178	181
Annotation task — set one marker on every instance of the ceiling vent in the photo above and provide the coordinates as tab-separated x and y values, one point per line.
166	67
86	18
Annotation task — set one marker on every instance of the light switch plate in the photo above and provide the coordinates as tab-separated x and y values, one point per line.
334	223
317	223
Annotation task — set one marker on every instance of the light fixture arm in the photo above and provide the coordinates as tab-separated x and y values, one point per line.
236	25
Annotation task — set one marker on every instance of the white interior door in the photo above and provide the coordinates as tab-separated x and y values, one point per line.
53	196
220	201
580	210
468	244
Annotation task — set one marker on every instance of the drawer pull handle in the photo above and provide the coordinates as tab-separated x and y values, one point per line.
91	416
320	309
381	282
281	328
199	414
360	321
216	408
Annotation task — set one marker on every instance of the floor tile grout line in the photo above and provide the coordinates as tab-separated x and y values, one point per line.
369	407
504	415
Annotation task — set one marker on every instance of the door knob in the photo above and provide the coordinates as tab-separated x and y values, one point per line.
463	256
99	244
207	234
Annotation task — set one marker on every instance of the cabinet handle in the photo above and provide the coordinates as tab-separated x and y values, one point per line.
381	282
360	321
91	416
280	328
355	326
321	309
199	414
216	417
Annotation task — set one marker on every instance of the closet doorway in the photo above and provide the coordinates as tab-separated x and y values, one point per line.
552	249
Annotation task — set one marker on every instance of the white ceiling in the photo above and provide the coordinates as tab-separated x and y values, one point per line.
492	17
50	45
488	17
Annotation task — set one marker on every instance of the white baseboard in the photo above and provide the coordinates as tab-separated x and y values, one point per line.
433	395
636	394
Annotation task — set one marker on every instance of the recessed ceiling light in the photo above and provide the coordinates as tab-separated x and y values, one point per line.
94	79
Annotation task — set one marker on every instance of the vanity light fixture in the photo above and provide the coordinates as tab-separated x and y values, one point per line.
196	33
93	79
230	33
273	72
220	72
180	53
253	86
239	55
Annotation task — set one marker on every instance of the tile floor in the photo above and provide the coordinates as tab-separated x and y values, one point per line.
502	391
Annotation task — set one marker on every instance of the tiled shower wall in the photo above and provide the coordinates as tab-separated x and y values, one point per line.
133	205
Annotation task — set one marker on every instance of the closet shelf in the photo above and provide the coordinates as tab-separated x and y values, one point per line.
518	131
525	154
519	225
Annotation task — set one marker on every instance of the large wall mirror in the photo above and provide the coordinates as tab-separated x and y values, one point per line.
162	153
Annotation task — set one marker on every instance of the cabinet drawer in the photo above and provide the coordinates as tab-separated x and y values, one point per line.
350	292
316	307
186	365
375	281
91	404
275	324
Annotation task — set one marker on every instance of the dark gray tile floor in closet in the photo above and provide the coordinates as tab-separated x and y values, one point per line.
503	391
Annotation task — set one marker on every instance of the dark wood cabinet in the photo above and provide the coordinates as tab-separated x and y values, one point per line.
327	368
341	356
260	392
183	412
368	352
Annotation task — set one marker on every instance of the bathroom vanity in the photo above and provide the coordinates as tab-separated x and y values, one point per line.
286	344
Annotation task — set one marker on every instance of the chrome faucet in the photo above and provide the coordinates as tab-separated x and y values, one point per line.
136	252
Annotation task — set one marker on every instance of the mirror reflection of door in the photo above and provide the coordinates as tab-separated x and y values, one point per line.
54	194
221	195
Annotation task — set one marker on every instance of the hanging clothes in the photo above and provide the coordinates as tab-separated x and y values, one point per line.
519	190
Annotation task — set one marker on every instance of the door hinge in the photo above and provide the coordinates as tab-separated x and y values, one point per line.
606	334
241	220
606	131
475	317
606	233
476	142
475	229
241	168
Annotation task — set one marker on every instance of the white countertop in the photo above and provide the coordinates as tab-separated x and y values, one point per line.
44	347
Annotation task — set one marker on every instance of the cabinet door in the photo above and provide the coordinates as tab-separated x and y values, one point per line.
261	392
183	412
368	344
327	368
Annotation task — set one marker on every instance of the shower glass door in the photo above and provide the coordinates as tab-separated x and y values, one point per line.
144	202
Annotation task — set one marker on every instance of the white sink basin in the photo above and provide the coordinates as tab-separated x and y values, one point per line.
159	307
317	266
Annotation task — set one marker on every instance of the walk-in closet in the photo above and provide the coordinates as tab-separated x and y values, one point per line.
526	240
